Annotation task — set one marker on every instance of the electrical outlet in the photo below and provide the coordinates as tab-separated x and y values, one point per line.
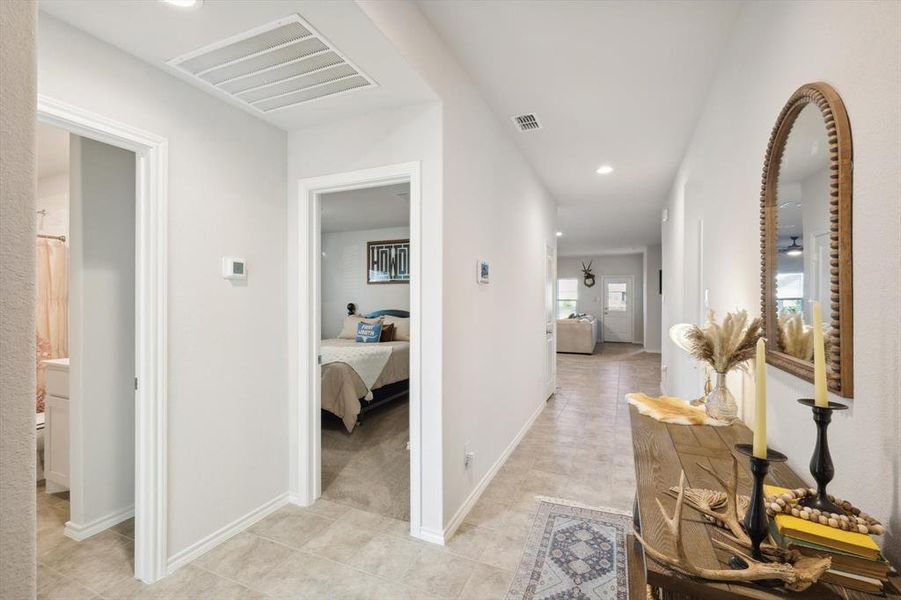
468	455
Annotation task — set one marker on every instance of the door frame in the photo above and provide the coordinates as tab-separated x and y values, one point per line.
151	278
550	257
309	282
604	279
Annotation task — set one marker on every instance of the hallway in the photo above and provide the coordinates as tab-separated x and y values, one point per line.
579	449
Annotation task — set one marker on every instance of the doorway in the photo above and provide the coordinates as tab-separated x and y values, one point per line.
143	305
619	308
309	334
550	320
85	336
364	350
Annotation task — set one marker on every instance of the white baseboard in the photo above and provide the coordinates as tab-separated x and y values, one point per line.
432	536
206	544
477	491
79	532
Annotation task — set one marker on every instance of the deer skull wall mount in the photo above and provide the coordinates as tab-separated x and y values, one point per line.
587	275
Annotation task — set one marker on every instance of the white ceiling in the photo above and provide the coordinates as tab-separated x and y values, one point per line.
619	83
53	150
370	208
156	32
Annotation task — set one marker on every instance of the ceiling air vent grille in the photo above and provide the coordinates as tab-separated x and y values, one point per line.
275	66
527	122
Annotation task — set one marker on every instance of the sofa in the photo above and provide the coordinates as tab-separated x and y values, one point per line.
577	335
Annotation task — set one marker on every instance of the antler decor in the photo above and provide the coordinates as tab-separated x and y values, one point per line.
707	502
797	574
587	275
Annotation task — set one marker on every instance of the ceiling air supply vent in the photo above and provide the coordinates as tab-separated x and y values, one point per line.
527	122
275	66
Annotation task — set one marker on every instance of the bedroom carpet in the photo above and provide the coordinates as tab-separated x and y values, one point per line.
369	469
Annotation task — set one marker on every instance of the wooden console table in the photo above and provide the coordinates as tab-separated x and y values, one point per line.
662	450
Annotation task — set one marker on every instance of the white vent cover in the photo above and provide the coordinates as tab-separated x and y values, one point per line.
527	122
275	66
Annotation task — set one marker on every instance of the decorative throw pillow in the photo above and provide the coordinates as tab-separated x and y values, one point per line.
369	333
349	327
388	331
401	328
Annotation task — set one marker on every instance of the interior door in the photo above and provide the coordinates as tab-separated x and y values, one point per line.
550	303
618	309
101	330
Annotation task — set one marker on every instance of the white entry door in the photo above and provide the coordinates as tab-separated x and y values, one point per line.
619	308
550	320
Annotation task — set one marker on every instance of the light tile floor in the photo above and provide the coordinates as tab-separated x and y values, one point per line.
579	448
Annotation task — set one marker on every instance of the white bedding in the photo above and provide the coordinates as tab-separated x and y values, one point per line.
342	387
368	360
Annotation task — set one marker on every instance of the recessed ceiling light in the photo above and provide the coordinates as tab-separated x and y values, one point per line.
604	170
187	4
559	234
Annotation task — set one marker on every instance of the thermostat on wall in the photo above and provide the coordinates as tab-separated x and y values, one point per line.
234	268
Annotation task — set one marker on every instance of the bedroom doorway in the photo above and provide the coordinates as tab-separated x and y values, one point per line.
364	348
358	418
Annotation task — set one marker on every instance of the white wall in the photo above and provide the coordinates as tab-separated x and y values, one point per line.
591	299
373	140
227	344
495	208
776	48
17	306
344	277
652	298
101	331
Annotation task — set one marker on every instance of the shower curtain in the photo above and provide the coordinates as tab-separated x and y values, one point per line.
51	326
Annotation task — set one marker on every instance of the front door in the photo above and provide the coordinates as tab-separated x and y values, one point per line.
619	307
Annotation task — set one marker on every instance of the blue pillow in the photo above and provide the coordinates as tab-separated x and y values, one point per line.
369	333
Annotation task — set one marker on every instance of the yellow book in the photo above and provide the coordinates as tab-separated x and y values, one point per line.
858	544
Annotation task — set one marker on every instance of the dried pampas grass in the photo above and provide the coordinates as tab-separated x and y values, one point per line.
796	337
728	345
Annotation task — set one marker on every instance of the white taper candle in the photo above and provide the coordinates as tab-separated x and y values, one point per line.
819	358
760	420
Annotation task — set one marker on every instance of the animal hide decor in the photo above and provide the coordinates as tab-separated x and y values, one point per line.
667	409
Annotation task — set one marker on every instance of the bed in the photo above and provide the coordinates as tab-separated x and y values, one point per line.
349	365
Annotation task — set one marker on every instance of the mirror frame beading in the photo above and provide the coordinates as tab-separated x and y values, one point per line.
838	131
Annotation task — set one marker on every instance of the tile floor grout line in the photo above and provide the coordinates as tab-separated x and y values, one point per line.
235	581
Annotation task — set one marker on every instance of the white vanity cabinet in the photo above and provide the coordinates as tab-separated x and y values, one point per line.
56	425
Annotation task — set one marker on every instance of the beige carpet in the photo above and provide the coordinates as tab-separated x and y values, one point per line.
369	469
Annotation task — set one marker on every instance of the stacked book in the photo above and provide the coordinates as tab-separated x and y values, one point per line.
857	562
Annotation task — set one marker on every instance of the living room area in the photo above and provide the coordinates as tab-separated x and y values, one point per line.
607	298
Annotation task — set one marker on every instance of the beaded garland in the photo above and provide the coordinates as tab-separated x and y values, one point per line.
854	520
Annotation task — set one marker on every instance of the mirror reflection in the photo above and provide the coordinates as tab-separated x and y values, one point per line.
802	234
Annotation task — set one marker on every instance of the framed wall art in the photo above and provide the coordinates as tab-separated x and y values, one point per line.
388	261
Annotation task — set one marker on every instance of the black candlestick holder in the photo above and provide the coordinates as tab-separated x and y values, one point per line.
756	520
821	462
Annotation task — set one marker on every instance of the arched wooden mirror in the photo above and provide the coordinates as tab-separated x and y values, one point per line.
805	225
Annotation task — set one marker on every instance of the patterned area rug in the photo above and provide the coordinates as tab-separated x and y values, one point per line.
574	553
